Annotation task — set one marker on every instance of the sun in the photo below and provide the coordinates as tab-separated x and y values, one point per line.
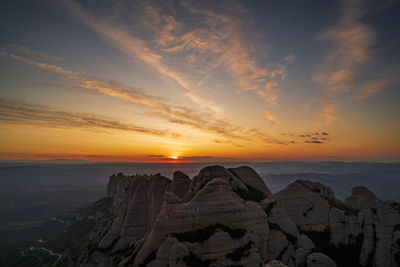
174	157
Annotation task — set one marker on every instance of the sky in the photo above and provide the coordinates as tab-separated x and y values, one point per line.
190	81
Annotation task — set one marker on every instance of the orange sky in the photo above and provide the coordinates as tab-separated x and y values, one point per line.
199	81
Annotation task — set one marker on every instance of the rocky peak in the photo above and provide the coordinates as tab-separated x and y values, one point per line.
361	198
244	182
180	184
220	217
226	217
251	178
324	191
363	231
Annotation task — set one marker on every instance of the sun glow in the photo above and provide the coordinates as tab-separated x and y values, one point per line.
174	157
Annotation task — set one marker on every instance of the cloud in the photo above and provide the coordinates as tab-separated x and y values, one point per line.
229	142
206	122
204	159
199	157
29	51
191	158
12	111
328	115
350	53
316	134
110	88
290	59
268	116
314	138
372	87
313	142
220	40
124	40
191	52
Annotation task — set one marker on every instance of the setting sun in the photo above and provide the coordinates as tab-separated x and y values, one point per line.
174	157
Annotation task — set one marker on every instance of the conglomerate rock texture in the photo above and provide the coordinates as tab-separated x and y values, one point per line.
229	217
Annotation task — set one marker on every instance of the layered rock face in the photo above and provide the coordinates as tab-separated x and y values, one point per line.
221	217
228	217
362	231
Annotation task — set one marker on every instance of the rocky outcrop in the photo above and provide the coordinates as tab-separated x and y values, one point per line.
229	217
215	226
137	202
359	232
221	217
180	184
361	198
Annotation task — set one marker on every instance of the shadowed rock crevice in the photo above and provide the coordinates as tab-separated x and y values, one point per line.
200	235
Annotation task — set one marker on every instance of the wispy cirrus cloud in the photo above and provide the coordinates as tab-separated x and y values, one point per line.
350	53
216	41
13	48
182	115
108	88
122	38
268	116
20	112
190	49
351	43
369	88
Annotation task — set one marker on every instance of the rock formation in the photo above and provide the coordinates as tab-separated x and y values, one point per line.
362	231
229	217
180	184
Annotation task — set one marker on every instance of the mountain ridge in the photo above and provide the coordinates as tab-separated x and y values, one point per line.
229	217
